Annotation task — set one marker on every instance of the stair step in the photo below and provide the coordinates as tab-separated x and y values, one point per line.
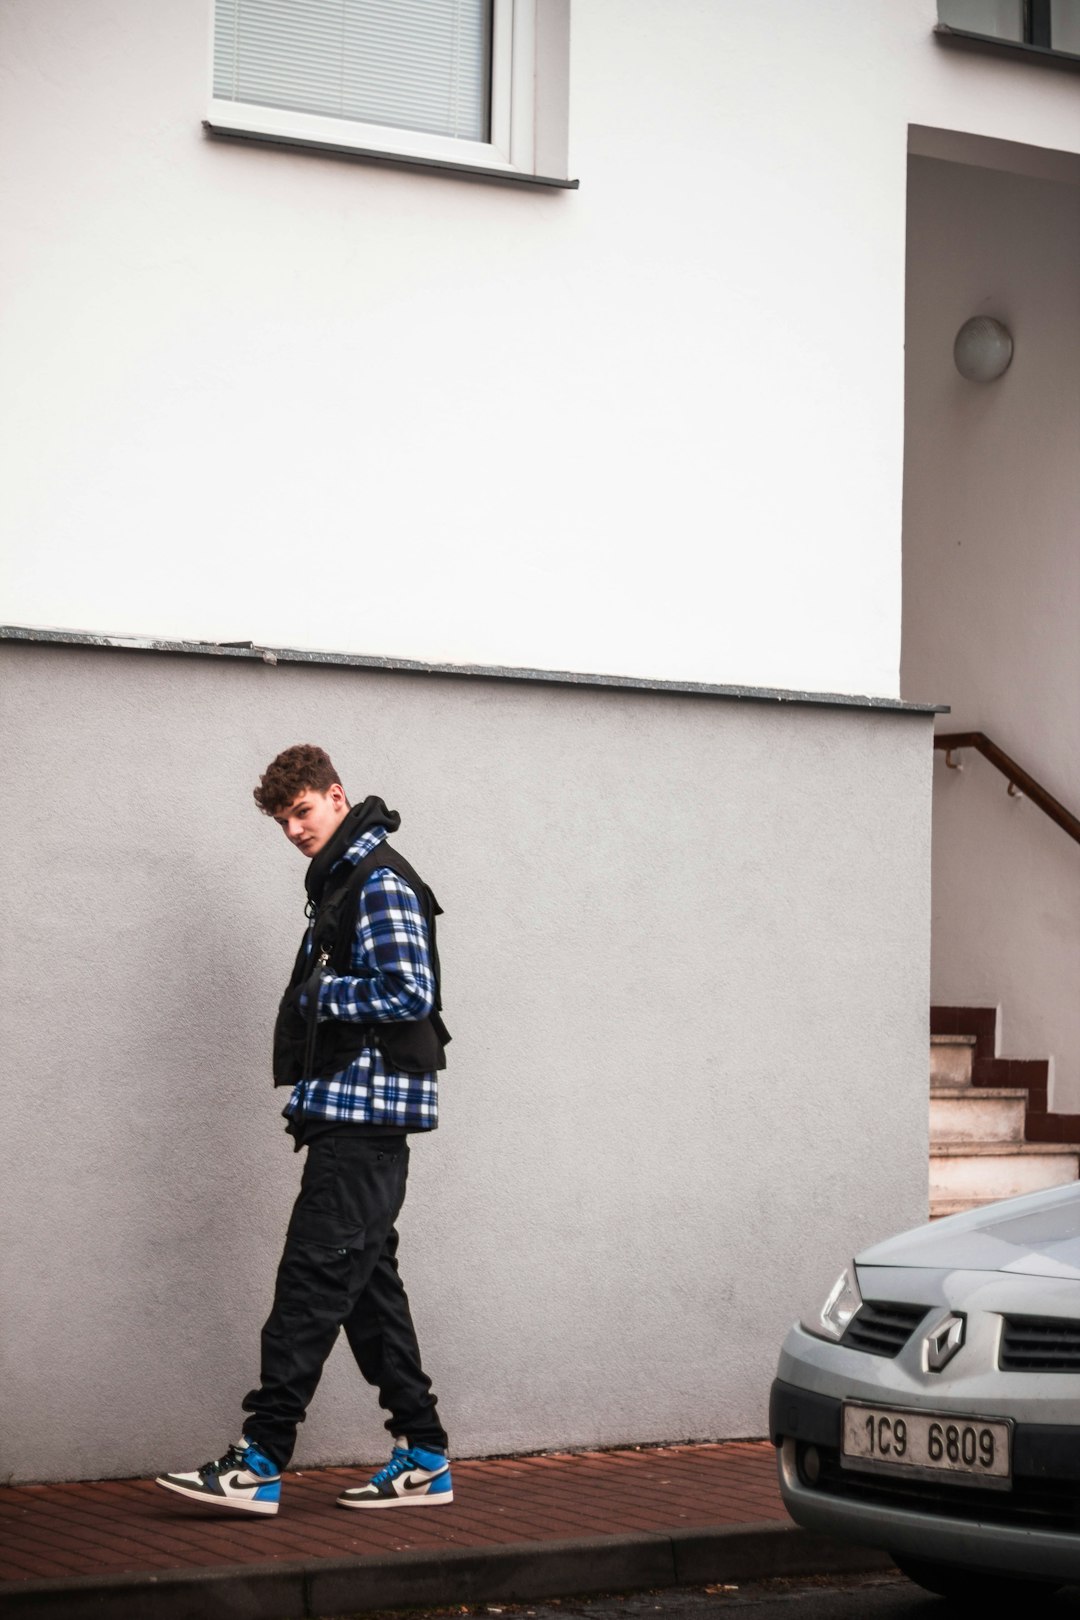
940	1207
958	1206
997	1150
951	1059
977	1149
978	1091
980	1172
962	1115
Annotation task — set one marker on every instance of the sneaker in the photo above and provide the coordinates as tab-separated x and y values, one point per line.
412	1478
244	1478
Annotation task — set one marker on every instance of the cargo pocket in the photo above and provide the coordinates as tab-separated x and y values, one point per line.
325	1229
327	1214
321	1268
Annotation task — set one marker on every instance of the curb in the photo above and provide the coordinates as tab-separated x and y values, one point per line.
519	1572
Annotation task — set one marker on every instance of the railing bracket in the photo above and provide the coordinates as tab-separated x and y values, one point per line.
951	761
1021	784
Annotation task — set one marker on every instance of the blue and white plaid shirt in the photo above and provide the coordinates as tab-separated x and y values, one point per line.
391	979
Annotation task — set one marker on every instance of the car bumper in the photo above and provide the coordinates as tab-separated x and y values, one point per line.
1034	1529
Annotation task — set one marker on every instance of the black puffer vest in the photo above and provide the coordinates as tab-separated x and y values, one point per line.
305	1049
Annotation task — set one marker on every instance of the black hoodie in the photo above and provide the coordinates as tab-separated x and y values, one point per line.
359	820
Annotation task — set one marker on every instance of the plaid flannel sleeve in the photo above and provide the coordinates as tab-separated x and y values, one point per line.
392	978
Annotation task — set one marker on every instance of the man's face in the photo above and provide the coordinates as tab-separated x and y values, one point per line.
313	818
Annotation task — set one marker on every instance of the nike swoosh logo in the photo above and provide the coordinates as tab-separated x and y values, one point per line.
239	1484
411	1484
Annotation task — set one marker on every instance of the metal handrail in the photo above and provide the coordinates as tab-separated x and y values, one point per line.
1020	783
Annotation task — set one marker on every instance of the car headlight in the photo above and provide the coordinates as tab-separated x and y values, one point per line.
843	1302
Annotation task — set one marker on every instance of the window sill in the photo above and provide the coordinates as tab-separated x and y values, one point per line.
992	45
465	171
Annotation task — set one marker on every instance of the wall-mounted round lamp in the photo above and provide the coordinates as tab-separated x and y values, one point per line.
983	349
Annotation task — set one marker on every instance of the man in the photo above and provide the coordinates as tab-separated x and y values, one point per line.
359	1040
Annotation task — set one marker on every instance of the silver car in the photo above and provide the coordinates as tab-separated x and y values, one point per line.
932	1406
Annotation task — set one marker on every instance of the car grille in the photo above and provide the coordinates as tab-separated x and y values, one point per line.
1044	1504
882	1328
1040	1344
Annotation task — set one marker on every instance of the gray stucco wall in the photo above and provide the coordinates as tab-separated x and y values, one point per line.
686	966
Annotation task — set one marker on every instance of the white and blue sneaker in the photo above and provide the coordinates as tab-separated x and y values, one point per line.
412	1478
244	1478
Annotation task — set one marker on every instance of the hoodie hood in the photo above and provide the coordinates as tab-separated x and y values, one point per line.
359	820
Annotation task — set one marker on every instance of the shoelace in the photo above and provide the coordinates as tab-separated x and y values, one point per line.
399	1462
232	1459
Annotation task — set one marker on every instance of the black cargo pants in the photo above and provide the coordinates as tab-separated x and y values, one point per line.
339	1269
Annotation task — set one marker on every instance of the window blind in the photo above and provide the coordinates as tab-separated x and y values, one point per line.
1003	18
1065	25
408	64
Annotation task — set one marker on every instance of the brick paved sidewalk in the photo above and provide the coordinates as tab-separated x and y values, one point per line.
107	1542
123	1526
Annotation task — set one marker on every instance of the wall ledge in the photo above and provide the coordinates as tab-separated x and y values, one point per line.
483	672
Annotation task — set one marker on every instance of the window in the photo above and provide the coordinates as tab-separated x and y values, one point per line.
464	84
1049	25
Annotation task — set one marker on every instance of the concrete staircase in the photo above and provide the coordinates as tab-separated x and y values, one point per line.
979	1149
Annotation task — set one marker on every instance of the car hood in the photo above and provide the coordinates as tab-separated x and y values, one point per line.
1037	1236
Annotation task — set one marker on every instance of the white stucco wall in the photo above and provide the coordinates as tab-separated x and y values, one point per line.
686	969
992	590
653	427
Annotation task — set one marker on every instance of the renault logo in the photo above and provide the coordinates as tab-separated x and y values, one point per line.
943	1341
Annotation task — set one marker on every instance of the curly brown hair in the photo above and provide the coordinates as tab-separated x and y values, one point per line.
285	778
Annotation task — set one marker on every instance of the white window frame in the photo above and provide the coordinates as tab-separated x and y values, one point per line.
529	96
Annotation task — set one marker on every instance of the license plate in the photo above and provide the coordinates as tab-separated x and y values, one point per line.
927	1445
